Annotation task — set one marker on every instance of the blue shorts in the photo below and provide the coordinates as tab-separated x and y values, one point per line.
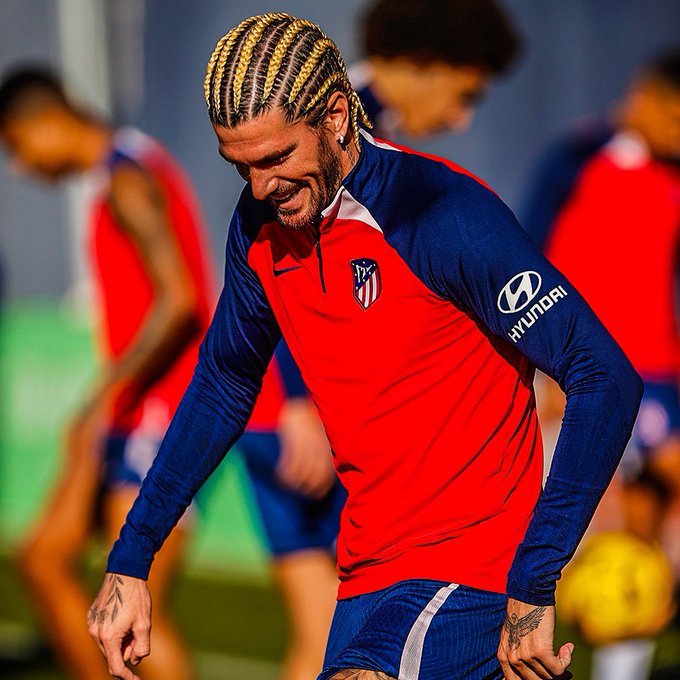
292	521
128	457
659	415
418	630
657	420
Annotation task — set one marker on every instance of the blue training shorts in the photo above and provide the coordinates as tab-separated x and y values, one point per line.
128	457
659	415
292	521
657	420
418	630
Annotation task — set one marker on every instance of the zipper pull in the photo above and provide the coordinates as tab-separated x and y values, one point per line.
317	247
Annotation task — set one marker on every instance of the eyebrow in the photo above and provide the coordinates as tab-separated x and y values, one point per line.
269	158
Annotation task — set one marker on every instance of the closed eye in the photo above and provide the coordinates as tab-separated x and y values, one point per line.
265	163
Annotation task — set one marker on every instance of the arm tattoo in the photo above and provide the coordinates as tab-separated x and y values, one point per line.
518	628
115	599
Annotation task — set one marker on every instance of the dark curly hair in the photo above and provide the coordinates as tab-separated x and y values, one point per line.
458	32
666	66
29	87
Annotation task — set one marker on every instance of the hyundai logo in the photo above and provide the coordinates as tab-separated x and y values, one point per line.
519	292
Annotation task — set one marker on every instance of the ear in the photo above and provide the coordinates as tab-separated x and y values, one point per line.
337	120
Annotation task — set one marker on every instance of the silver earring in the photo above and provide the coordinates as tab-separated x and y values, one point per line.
341	140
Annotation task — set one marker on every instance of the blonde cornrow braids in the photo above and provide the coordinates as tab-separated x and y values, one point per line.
276	60
358	112
320	46
215	71
254	35
280	52
357	108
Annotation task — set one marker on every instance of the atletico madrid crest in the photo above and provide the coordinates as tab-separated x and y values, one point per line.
367	286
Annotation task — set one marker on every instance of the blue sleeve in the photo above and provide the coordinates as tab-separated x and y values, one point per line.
212	414
293	384
485	263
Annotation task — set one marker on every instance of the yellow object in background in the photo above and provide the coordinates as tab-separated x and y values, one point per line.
618	587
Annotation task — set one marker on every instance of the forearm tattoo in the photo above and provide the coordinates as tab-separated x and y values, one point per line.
99	615
518	628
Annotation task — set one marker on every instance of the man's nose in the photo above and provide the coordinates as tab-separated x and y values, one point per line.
263	183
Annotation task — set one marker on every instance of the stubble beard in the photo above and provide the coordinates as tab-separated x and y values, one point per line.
330	178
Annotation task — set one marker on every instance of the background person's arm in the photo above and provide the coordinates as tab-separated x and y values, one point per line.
305	464
212	415
171	322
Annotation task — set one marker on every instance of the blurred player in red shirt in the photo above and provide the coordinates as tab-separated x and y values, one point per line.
605	206
154	300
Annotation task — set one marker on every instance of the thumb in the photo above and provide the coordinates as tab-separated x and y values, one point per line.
564	655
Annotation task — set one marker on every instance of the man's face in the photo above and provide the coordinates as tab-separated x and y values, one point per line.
439	97
295	168
34	145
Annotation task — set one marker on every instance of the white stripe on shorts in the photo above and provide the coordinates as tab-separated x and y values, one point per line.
409	668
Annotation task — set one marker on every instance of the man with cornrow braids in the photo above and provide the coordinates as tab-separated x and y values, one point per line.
416	310
288	464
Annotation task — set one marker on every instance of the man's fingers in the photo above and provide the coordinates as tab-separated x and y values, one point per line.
508	672
564	656
526	669
522	664
534	669
140	645
93	630
114	657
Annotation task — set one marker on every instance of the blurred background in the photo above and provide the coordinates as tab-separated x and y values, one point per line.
142	62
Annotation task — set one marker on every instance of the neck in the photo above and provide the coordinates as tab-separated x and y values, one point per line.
93	143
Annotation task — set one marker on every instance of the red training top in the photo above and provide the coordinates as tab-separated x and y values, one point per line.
616	241
124	289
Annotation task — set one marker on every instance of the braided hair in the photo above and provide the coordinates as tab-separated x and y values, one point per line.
275	60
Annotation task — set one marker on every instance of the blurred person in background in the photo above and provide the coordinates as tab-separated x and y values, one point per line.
153	299
604	204
429	62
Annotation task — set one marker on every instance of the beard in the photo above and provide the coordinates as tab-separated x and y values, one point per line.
330	177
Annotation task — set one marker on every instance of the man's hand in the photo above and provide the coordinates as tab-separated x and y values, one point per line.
306	464
120	623
526	648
